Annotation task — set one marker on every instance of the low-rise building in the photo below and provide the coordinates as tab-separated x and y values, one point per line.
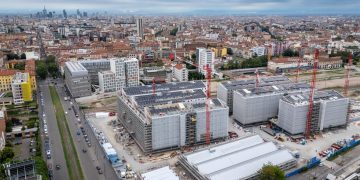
239	159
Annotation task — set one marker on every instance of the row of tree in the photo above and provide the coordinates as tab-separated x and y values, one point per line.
260	61
46	67
12	56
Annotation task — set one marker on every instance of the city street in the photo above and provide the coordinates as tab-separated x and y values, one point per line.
94	155
57	153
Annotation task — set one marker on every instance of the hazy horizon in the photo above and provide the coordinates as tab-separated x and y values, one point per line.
187	7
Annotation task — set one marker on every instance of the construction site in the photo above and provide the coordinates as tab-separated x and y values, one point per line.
171	117
158	124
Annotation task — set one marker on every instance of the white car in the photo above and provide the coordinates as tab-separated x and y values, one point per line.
48	152
66	112
44	115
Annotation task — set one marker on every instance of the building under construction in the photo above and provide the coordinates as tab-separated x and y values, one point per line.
254	105
330	109
170	116
226	90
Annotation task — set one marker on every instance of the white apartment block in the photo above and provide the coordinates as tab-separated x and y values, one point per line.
180	73
124	72
205	57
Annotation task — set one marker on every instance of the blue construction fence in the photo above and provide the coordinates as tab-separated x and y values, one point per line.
312	163
352	143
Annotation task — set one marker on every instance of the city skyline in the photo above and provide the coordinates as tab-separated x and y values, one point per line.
246	7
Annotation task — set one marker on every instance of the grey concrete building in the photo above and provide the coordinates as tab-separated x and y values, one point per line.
226	89
94	67
172	117
255	105
330	110
77	79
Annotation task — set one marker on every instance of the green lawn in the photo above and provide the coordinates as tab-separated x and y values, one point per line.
71	156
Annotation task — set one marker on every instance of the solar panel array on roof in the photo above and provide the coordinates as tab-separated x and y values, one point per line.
318	96
167	87
165	97
273	88
265	81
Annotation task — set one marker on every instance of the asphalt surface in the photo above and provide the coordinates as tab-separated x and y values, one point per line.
57	153
94	155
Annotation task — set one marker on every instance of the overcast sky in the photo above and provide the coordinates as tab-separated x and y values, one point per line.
189	6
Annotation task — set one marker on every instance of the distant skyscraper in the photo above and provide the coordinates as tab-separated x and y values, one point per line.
64	14
84	14
78	13
44	12
139	27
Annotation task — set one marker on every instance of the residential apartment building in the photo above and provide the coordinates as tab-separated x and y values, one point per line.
77	79
181	73
124	72
205	57
21	88
94	67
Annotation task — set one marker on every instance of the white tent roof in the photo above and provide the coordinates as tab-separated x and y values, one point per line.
164	173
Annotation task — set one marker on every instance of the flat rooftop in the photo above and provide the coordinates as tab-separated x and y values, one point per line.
234	160
76	68
167	87
164	173
264	81
166	97
303	97
20	77
176	108
276	88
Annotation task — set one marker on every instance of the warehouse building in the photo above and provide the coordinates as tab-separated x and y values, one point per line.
226	89
255	105
330	110
239	159
94	67
172	117
77	79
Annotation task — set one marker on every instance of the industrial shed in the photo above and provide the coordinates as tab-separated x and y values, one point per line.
239	159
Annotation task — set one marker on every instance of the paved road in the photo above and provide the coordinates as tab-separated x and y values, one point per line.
57	153
94	155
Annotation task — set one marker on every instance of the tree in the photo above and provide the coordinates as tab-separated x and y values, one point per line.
230	51
11	56
174	31
23	56
6	154
20	66
271	172
50	59
41	69
52	69
193	56
9	126
288	53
